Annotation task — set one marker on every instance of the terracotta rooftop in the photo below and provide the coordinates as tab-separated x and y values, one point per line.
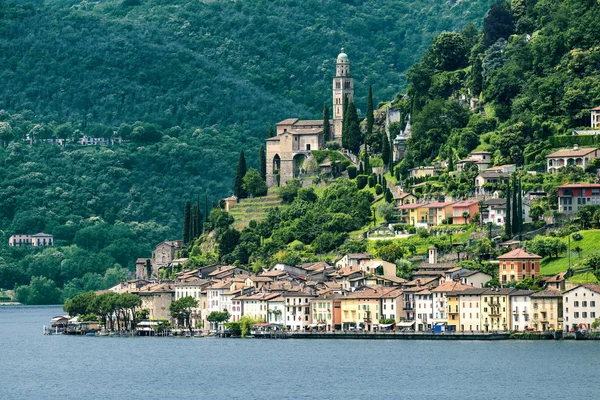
547	293
579	152
519	254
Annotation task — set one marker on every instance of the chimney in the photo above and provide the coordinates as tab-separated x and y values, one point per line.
575	147
432	255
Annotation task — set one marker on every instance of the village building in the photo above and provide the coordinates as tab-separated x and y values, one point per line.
574	196
164	254
353	260
157	298
495	315
482	159
489	181
327	312
295	139
580	157
595	114
399	143
463	211
276	310
405	198
581	307
361	308
494	211
470	309
38	240
518	264
424	172
423	309
392	303
297	310
193	289
520	304
440	304
547	309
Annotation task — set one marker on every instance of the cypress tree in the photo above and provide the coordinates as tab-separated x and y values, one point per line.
193	224
326	126
238	190
186	222
206	207
515	206
345	138
367	166
361	170
520	204
353	130
262	161
450	160
271	134
507	224
385	149
199	223
370	116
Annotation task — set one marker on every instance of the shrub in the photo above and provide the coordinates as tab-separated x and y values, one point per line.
577	236
422	232
333	145
361	181
412	230
371	181
351	171
378	189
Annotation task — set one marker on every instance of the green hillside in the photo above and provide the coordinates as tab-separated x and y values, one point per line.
255	209
588	245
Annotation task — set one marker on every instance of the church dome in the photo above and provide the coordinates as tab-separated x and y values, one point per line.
342	55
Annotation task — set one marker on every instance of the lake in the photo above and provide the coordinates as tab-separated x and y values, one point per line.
35	366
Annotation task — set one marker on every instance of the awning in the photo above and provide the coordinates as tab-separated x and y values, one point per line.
405	324
386	325
312	326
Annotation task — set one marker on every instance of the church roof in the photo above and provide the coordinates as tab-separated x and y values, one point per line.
309	131
342	55
289	121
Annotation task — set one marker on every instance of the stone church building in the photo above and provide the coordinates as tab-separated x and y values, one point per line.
295	139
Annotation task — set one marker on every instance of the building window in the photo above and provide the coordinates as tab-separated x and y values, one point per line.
576	315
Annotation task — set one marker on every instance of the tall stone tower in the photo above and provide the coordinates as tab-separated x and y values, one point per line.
343	88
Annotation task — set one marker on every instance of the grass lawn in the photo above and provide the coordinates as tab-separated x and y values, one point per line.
589	245
584	277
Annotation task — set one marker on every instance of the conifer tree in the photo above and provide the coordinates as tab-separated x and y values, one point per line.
353	130
326	126
450	160
206	213
186	222
262	161
515	206
370	116
271	134
367	166
361	170
238	190
520	205
193	225
345	119
507	224
385	149
199	219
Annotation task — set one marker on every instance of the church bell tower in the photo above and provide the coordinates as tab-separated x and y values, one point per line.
343	90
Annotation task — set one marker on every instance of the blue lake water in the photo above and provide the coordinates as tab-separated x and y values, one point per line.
34	366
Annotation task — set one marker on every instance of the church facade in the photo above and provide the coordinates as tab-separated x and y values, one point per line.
295	138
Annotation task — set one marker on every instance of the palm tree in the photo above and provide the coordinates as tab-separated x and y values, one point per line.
466	217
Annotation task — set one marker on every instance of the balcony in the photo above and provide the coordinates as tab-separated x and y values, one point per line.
408	306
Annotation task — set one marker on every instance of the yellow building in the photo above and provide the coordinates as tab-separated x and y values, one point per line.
453	302
547	309
362	308
495	309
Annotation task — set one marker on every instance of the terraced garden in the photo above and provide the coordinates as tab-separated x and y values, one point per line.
255	209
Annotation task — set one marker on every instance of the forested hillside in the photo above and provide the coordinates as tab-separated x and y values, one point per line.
194	63
535	70
188	84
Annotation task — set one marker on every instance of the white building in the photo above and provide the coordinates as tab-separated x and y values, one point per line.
470	309
423	303
581	306
276	310
520	309
354	260
193	289
214	300
38	240
297	310
440	301
476	279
